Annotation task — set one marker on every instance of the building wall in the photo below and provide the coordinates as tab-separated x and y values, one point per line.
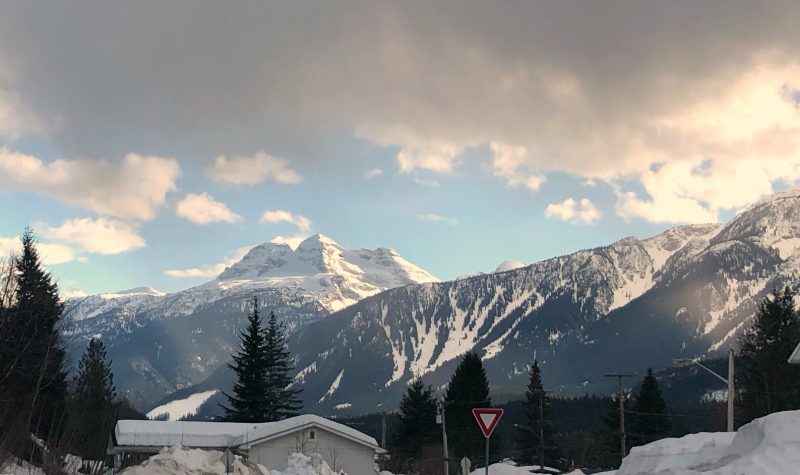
338	452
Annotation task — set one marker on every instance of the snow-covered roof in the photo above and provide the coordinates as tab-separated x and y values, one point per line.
131	433
170	433
270	430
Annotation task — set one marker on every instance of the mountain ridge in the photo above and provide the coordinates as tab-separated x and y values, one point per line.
162	342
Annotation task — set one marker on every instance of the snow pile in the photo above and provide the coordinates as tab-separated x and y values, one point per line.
300	464
766	446
508	467
179	460
20	468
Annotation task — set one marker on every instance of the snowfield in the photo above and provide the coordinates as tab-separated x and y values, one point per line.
180	408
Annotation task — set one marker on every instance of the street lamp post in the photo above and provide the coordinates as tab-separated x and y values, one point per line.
679	362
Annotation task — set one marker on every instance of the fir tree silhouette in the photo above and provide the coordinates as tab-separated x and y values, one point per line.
251	398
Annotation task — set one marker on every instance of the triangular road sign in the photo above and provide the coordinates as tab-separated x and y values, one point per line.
487	419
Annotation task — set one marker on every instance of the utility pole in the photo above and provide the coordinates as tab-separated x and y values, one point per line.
621	398
442	412
731	392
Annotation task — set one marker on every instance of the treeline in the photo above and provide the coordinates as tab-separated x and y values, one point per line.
44	415
584	432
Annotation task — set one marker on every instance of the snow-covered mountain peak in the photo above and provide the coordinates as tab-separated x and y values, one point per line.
322	269
140	291
773	222
792	192
318	241
663	246
317	270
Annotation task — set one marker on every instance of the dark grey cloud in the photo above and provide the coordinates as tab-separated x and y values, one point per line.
587	87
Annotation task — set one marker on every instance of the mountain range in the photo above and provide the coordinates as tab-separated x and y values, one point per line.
626	306
162	342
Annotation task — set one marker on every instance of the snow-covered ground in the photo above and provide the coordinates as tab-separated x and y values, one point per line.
183	461
510	468
766	446
20	468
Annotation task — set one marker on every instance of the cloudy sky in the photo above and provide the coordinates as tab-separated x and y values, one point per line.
151	142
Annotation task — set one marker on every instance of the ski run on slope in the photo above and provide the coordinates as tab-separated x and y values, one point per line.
181	408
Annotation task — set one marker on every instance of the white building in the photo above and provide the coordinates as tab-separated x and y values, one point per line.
268	444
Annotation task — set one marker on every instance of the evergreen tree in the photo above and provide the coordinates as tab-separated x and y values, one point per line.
536	439
283	401
649	418
416	425
92	408
768	383
250	401
31	352
468	388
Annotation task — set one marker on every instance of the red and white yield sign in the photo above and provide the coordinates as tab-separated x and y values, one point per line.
487	419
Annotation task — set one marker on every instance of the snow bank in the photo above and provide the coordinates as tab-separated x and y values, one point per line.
179	460
182	461
72	465
20	468
300	464
766	446
510	468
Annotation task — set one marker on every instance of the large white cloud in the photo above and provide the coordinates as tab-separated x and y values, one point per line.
509	162
97	236
252	169
50	253
203	209
302	223
278	216
131	189
571	211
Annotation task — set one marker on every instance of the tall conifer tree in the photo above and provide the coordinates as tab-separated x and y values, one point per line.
468	389
416	425
250	401
31	351
92	408
536	440
283	401
649	418
767	381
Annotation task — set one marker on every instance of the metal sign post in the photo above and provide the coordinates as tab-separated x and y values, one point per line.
487	419
228	459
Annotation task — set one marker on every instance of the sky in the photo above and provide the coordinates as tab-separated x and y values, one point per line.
152	143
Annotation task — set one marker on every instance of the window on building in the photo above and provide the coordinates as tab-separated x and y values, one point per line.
312	434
